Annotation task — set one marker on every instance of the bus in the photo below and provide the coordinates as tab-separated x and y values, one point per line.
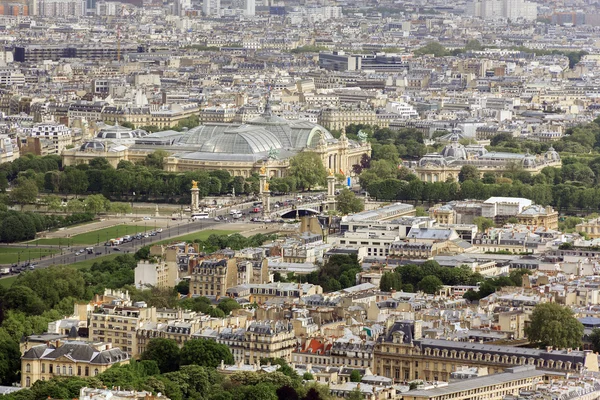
200	215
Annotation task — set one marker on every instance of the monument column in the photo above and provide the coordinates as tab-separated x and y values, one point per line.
265	193
195	206
331	191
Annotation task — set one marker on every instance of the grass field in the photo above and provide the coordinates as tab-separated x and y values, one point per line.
202	235
7	282
93	237
10	255
88	263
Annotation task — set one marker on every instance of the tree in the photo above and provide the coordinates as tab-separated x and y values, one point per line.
430	284
74	181
348	203
390	281
355	376
165	352
554	325
96	203
468	172
25	192
205	353
432	48
308	170
594	339
9	359
227	305
387	152
356	394
473	44
156	159
483	223
289	393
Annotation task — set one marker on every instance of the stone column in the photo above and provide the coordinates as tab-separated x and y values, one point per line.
265	195
330	192
195	206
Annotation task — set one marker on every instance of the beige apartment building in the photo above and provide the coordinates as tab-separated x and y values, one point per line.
262	339
70	358
160	270
212	277
118	325
340	119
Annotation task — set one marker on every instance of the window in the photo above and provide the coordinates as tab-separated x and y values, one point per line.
43	368
70	370
64	371
28	368
50	366
79	370
95	371
28	382
87	371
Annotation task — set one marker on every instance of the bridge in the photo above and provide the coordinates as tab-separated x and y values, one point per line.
303	209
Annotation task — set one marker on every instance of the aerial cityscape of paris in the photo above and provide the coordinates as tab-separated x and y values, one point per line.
300	199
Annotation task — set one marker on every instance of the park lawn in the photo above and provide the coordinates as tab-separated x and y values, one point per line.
201	235
93	237
86	264
10	255
7	282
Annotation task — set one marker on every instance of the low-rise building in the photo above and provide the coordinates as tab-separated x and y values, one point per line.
70	358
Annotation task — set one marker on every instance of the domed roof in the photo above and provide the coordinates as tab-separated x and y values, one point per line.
92	146
242	140
455	149
529	161
278	126
552	155
433	160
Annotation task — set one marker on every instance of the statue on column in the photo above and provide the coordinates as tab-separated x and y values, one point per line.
266	189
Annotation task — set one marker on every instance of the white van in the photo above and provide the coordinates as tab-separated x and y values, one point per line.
237	215
198	216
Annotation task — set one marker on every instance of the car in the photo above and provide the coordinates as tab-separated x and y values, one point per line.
98	253
159	230
31	267
78	253
174	219
116	249
146	218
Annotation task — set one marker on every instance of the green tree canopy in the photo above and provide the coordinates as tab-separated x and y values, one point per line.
206	353
308	170
554	325
165	352
347	202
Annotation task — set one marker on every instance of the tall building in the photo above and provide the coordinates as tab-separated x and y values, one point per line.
249	8
213	277
211	8
497	9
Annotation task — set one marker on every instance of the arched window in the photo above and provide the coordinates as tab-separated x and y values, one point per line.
70	370
64	372
95	371
27	382
87	371
28	368
43	368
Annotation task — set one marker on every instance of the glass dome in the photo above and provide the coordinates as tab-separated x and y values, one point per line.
92	146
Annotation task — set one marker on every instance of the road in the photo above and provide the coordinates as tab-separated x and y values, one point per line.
68	254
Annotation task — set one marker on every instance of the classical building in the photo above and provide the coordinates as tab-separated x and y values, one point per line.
70	358
403	355
536	215
446	165
590	227
266	141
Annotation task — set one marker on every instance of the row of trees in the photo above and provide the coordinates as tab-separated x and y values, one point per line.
430	276
339	272
194	380
144	180
18	226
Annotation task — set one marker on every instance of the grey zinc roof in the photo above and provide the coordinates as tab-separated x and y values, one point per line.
523	372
